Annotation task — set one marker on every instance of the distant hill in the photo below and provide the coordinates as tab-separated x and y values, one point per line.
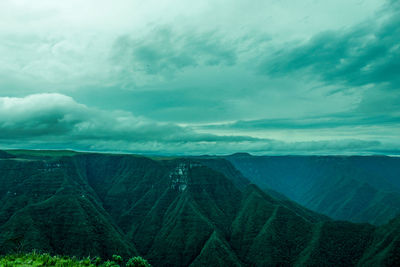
175	212
356	188
5	155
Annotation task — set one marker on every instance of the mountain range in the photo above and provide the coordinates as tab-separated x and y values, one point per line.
181	211
353	188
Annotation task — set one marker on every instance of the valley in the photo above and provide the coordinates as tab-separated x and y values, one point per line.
183	211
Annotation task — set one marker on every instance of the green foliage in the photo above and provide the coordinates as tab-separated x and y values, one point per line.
97	261
94	204
44	259
137	262
36	259
110	264
117	259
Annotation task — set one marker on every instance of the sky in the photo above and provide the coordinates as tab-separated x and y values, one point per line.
201	77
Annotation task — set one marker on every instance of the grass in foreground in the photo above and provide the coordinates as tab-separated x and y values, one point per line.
44	259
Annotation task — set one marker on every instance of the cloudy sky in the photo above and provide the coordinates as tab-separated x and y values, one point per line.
195	77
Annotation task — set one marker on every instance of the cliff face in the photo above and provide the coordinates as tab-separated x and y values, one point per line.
175	212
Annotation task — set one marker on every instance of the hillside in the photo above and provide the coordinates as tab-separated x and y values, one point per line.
175	212
358	189
5	155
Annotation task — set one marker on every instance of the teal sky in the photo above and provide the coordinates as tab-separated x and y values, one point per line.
196	77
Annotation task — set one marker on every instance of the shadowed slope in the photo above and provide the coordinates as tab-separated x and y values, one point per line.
175	212
216	252
5	155
359	189
46	205
385	247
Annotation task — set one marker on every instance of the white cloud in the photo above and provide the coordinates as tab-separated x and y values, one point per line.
61	118
58	121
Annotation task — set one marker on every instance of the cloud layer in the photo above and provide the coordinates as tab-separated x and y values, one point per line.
58	121
368	53
178	77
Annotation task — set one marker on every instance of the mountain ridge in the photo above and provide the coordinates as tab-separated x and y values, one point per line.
354	188
176	212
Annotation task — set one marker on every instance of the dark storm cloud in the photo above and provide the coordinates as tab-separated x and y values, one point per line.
57	116
368	53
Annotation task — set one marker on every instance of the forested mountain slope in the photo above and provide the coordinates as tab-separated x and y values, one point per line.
356	188
175	212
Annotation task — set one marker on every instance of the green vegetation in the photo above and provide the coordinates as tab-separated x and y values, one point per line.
174	212
43	259
137	262
362	189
